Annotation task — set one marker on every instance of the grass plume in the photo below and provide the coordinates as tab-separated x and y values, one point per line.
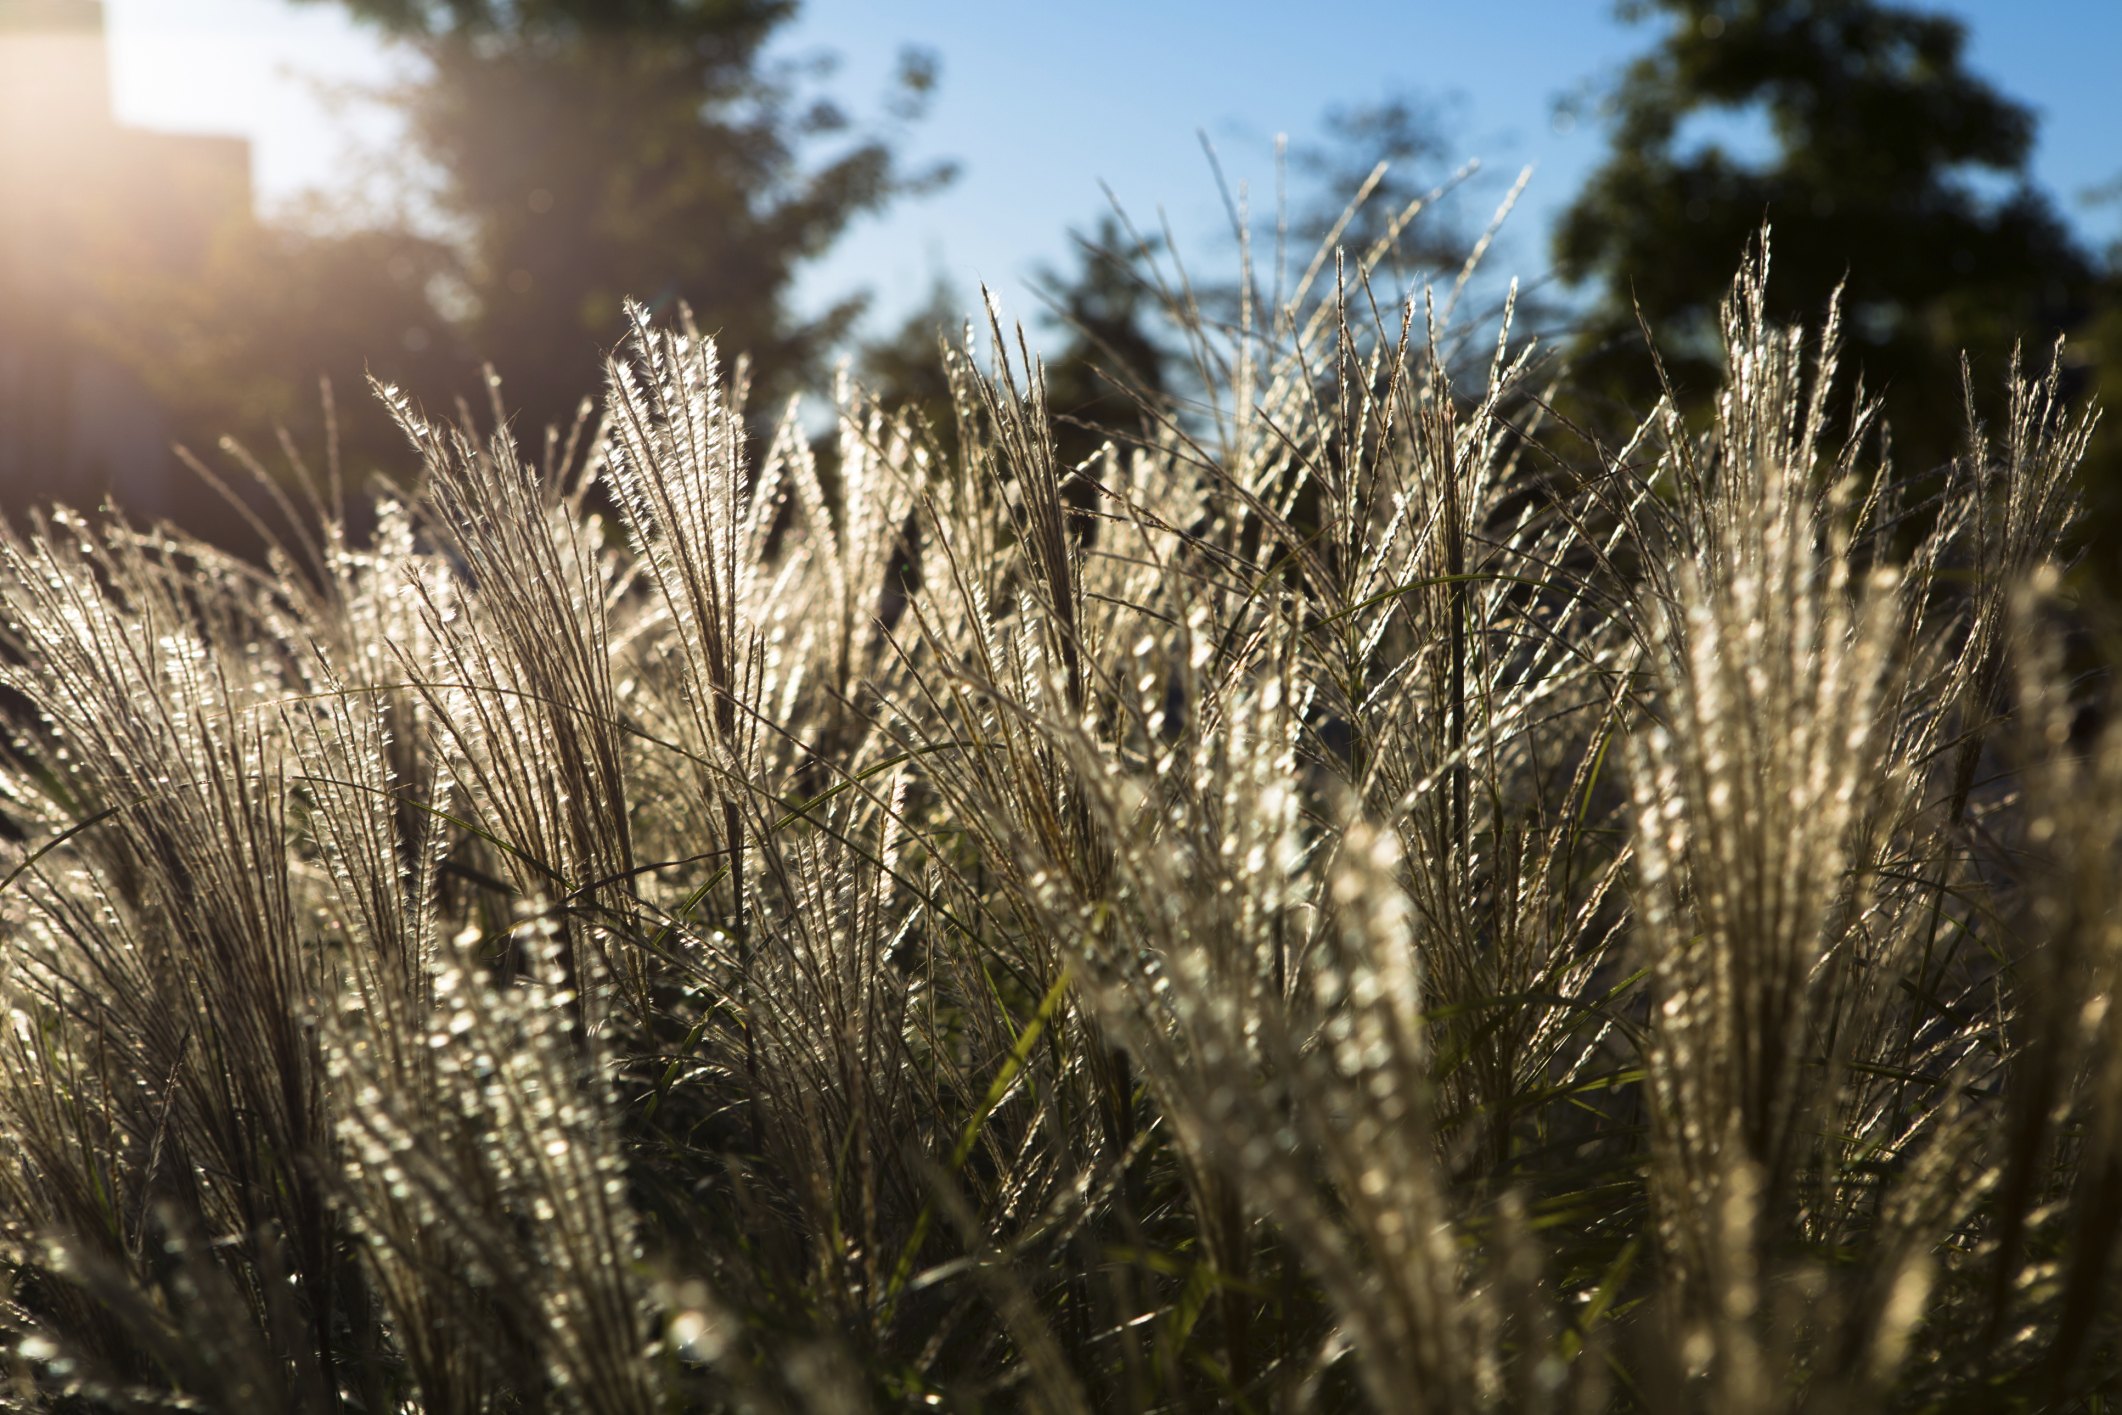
1349	898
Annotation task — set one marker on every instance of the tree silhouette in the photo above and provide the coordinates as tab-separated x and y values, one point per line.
1413	138
1893	170
2098	355
905	367
1113	366
237	348
590	151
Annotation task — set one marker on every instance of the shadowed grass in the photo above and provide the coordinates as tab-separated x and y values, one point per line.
1337	902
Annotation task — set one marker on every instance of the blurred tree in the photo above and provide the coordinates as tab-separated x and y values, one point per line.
1411	137
2099	354
905	368
238	348
1348	188
588	151
1113	368
1890	166
1122	349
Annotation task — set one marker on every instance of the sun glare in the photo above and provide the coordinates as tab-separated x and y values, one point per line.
281	75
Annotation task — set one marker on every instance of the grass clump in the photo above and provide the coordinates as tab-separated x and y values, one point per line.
1337	902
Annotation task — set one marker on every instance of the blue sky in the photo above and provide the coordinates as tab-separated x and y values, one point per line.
1040	103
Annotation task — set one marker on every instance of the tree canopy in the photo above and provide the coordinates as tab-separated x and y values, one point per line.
1891	169
585	153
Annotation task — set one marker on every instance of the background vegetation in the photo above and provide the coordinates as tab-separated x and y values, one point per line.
562	156
1301	858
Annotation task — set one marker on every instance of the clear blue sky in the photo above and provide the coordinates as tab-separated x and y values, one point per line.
1039	103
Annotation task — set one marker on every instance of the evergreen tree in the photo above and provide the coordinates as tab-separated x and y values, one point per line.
1894	169
590	151
237	349
1413	139
905	368
2097	353
1113	362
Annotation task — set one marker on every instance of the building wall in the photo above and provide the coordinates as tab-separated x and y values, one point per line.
87	205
